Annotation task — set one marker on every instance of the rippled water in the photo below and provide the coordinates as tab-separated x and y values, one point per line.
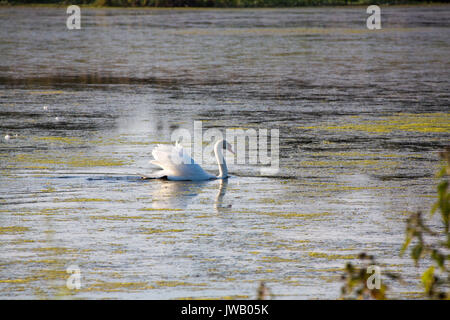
361	116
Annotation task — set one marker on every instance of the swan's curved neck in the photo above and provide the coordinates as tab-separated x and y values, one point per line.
223	170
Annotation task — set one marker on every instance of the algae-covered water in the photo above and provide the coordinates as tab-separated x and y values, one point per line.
361	116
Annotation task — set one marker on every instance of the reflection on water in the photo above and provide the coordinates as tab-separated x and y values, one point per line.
178	194
219	206
170	195
361	117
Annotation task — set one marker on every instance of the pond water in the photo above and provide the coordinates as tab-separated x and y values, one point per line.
361	116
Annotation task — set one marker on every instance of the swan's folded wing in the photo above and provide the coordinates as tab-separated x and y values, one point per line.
176	162
156	163
169	157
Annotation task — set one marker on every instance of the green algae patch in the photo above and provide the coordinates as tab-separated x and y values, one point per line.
49	189
83	200
406	122
277	259
18	281
302	241
159	209
39	160
155	231
353	154
297	215
330	270
63	140
124	141
118	286
350	163
46	261
322	255
117	218
54	250
13	230
47	92
204	235
95	162
178	284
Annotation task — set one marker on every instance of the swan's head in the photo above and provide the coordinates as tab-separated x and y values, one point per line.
227	146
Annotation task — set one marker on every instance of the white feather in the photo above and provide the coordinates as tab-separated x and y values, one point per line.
176	164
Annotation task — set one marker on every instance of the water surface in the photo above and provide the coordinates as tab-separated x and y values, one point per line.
361	116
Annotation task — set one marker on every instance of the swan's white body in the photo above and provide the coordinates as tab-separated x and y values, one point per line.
176	164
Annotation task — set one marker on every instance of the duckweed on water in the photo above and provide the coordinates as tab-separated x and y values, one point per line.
407	122
159	209
82	200
352	154
178	283
277	259
65	140
31	160
349	163
117	286
55	250
117	217
330	256
153	231
297	215
18	281
13	229
47	92
91	162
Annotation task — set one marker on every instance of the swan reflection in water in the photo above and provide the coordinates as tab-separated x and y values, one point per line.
178	194
219	206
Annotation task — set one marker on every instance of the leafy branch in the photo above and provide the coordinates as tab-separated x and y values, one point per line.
438	249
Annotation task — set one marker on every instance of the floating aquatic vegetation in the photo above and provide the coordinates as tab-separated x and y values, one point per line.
406	122
179	284
153	230
29	160
278	259
48	92
65	140
104	286
13	229
323	255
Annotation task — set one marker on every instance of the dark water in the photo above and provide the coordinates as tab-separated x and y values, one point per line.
361	116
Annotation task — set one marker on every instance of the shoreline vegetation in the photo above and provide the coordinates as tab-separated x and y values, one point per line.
180	4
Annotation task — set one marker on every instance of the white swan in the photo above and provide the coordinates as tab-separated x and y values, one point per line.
176	164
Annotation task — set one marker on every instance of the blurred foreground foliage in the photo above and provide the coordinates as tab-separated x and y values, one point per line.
215	3
431	244
356	279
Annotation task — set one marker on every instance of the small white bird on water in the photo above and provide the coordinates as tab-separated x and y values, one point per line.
176	164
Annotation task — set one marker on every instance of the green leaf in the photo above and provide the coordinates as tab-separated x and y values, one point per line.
434	208
405	244
416	251
439	259
442	188
428	279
